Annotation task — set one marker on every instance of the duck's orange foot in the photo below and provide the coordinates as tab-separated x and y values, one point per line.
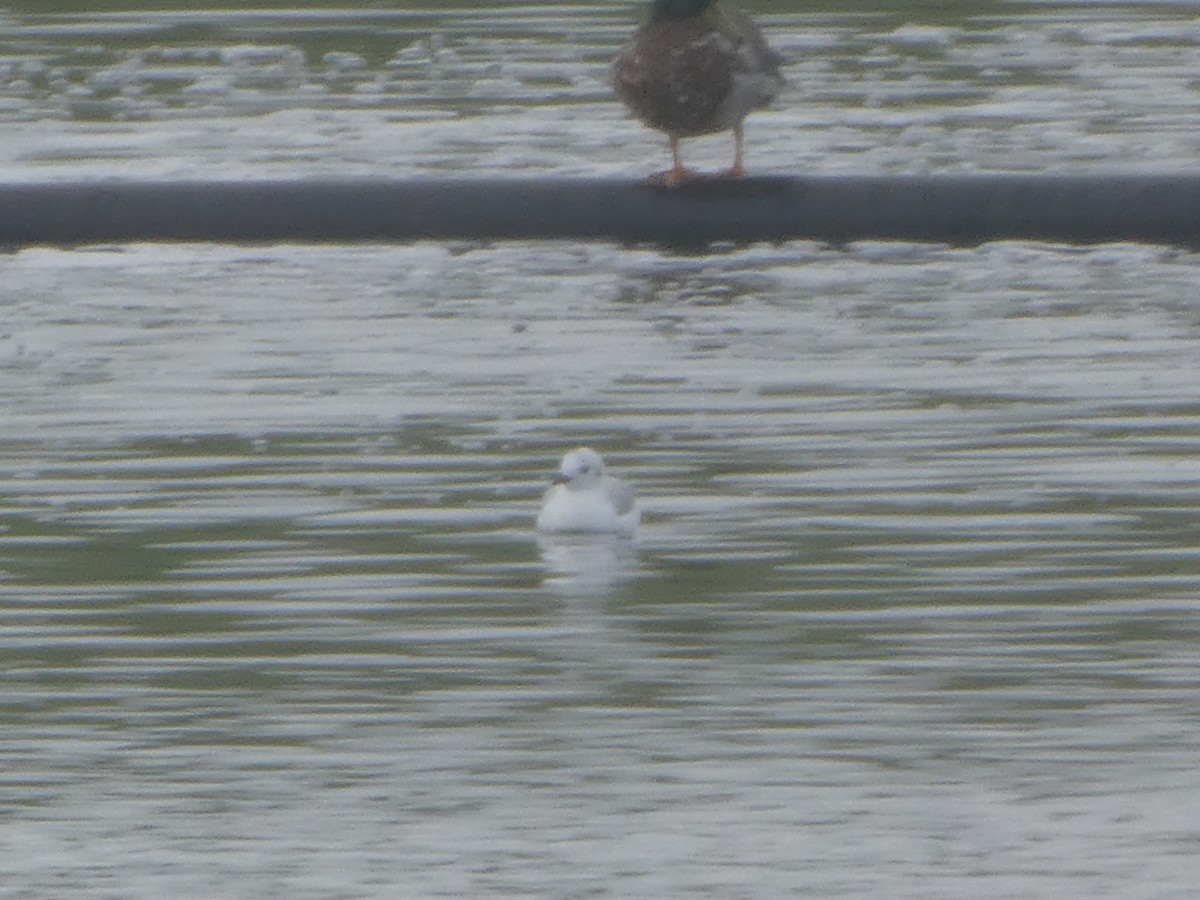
674	178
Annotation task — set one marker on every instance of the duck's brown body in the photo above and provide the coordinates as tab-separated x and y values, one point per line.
676	75
695	68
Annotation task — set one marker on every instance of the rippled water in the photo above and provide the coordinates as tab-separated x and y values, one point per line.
521	88
913	612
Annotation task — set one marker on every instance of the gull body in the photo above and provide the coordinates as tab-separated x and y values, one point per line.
696	67
585	498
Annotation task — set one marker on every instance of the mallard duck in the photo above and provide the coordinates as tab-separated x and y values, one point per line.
586	498
696	67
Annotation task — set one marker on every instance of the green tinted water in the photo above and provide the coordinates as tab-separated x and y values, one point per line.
913	610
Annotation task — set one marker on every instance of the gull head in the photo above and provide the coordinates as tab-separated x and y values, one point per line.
581	469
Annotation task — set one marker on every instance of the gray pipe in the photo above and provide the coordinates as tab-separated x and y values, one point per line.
954	209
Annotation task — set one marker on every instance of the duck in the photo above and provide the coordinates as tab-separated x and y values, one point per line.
585	498
696	67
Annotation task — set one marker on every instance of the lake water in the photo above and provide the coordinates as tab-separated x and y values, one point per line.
914	610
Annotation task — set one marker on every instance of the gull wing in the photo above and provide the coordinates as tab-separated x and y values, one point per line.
620	494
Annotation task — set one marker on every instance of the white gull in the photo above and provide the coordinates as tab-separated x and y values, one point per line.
584	498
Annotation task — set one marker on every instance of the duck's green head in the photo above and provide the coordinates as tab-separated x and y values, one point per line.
679	9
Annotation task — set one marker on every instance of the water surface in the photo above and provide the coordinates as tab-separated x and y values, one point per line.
913	612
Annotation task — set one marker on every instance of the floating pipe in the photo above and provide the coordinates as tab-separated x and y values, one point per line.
952	209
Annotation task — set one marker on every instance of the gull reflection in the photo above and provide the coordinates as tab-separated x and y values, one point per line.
587	564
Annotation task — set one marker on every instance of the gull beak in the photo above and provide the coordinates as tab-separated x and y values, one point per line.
559	478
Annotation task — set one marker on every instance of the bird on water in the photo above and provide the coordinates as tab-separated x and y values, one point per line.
696	67
585	498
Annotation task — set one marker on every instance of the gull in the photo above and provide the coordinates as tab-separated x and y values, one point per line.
584	498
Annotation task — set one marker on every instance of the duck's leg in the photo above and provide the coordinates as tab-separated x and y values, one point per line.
738	169
678	174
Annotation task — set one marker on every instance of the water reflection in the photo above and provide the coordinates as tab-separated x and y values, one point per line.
586	564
